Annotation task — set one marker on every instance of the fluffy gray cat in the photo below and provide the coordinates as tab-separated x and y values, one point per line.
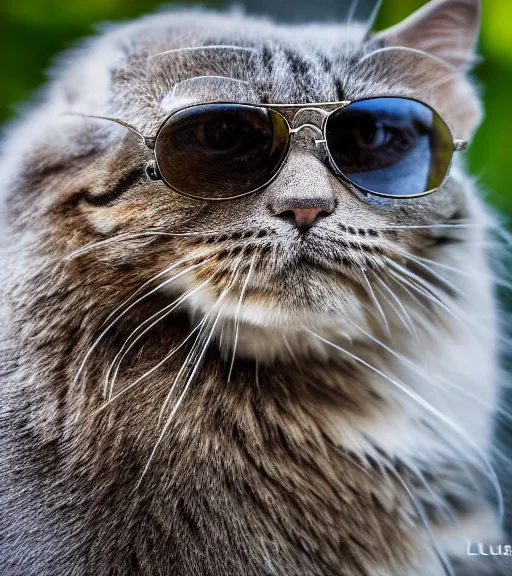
298	381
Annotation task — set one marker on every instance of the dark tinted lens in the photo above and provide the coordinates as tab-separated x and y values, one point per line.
392	146
221	151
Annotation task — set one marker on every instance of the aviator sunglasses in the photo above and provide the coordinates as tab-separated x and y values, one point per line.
386	146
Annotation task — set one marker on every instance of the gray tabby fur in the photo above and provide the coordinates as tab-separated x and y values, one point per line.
318	450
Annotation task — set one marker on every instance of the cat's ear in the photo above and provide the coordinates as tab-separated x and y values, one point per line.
446	29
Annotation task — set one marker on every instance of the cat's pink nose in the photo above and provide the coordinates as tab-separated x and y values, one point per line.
303	192
303	218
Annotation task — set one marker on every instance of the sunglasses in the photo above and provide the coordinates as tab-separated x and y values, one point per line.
393	147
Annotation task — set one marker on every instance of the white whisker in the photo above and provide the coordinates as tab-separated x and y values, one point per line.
426	522
406	320
398	280
149	372
237	314
462	272
430	293
430	226
179	401
121	237
373	16
149	282
206	47
130	342
197	341
377	303
427	406
111	324
351	12
414	51
191	355
417	283
290	351
435	274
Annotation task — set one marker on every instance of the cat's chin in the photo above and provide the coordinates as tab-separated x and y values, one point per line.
267	342
266	328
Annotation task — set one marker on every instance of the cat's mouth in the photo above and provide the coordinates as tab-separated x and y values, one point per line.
278	287
280	283
267	316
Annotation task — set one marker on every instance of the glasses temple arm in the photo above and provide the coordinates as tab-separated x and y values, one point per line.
459	145
149	142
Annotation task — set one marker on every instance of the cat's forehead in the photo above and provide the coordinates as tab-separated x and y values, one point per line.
204	57
183	30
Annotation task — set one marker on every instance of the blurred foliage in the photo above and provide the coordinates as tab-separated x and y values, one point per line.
32	31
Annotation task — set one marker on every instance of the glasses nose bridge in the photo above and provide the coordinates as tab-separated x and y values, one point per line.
312	119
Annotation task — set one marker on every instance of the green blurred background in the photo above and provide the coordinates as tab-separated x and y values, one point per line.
33	31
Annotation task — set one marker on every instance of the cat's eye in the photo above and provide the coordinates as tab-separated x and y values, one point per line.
387	146
371	136
390	146
221	151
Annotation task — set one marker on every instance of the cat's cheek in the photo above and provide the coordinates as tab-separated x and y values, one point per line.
108	220
142	207
378	203
458	102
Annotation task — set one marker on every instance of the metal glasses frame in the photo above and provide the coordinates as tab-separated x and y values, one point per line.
325	109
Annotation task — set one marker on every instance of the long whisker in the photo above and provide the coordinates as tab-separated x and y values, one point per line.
126	236
436	498
397	279
130	342
190	359
237	314
197	341
435	274
414	51
351	12
377	303
466	321
424	288
462	272
426	522
427	294
206	47
373	16
406	361
179	401
417	283
443	382
431	226
190	378
149	372
149	282
291	353
124	312
106	242
406	319
427	406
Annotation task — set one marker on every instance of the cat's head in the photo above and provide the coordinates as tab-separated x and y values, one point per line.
84	180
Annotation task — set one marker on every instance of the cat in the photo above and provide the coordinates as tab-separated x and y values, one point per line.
197	388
